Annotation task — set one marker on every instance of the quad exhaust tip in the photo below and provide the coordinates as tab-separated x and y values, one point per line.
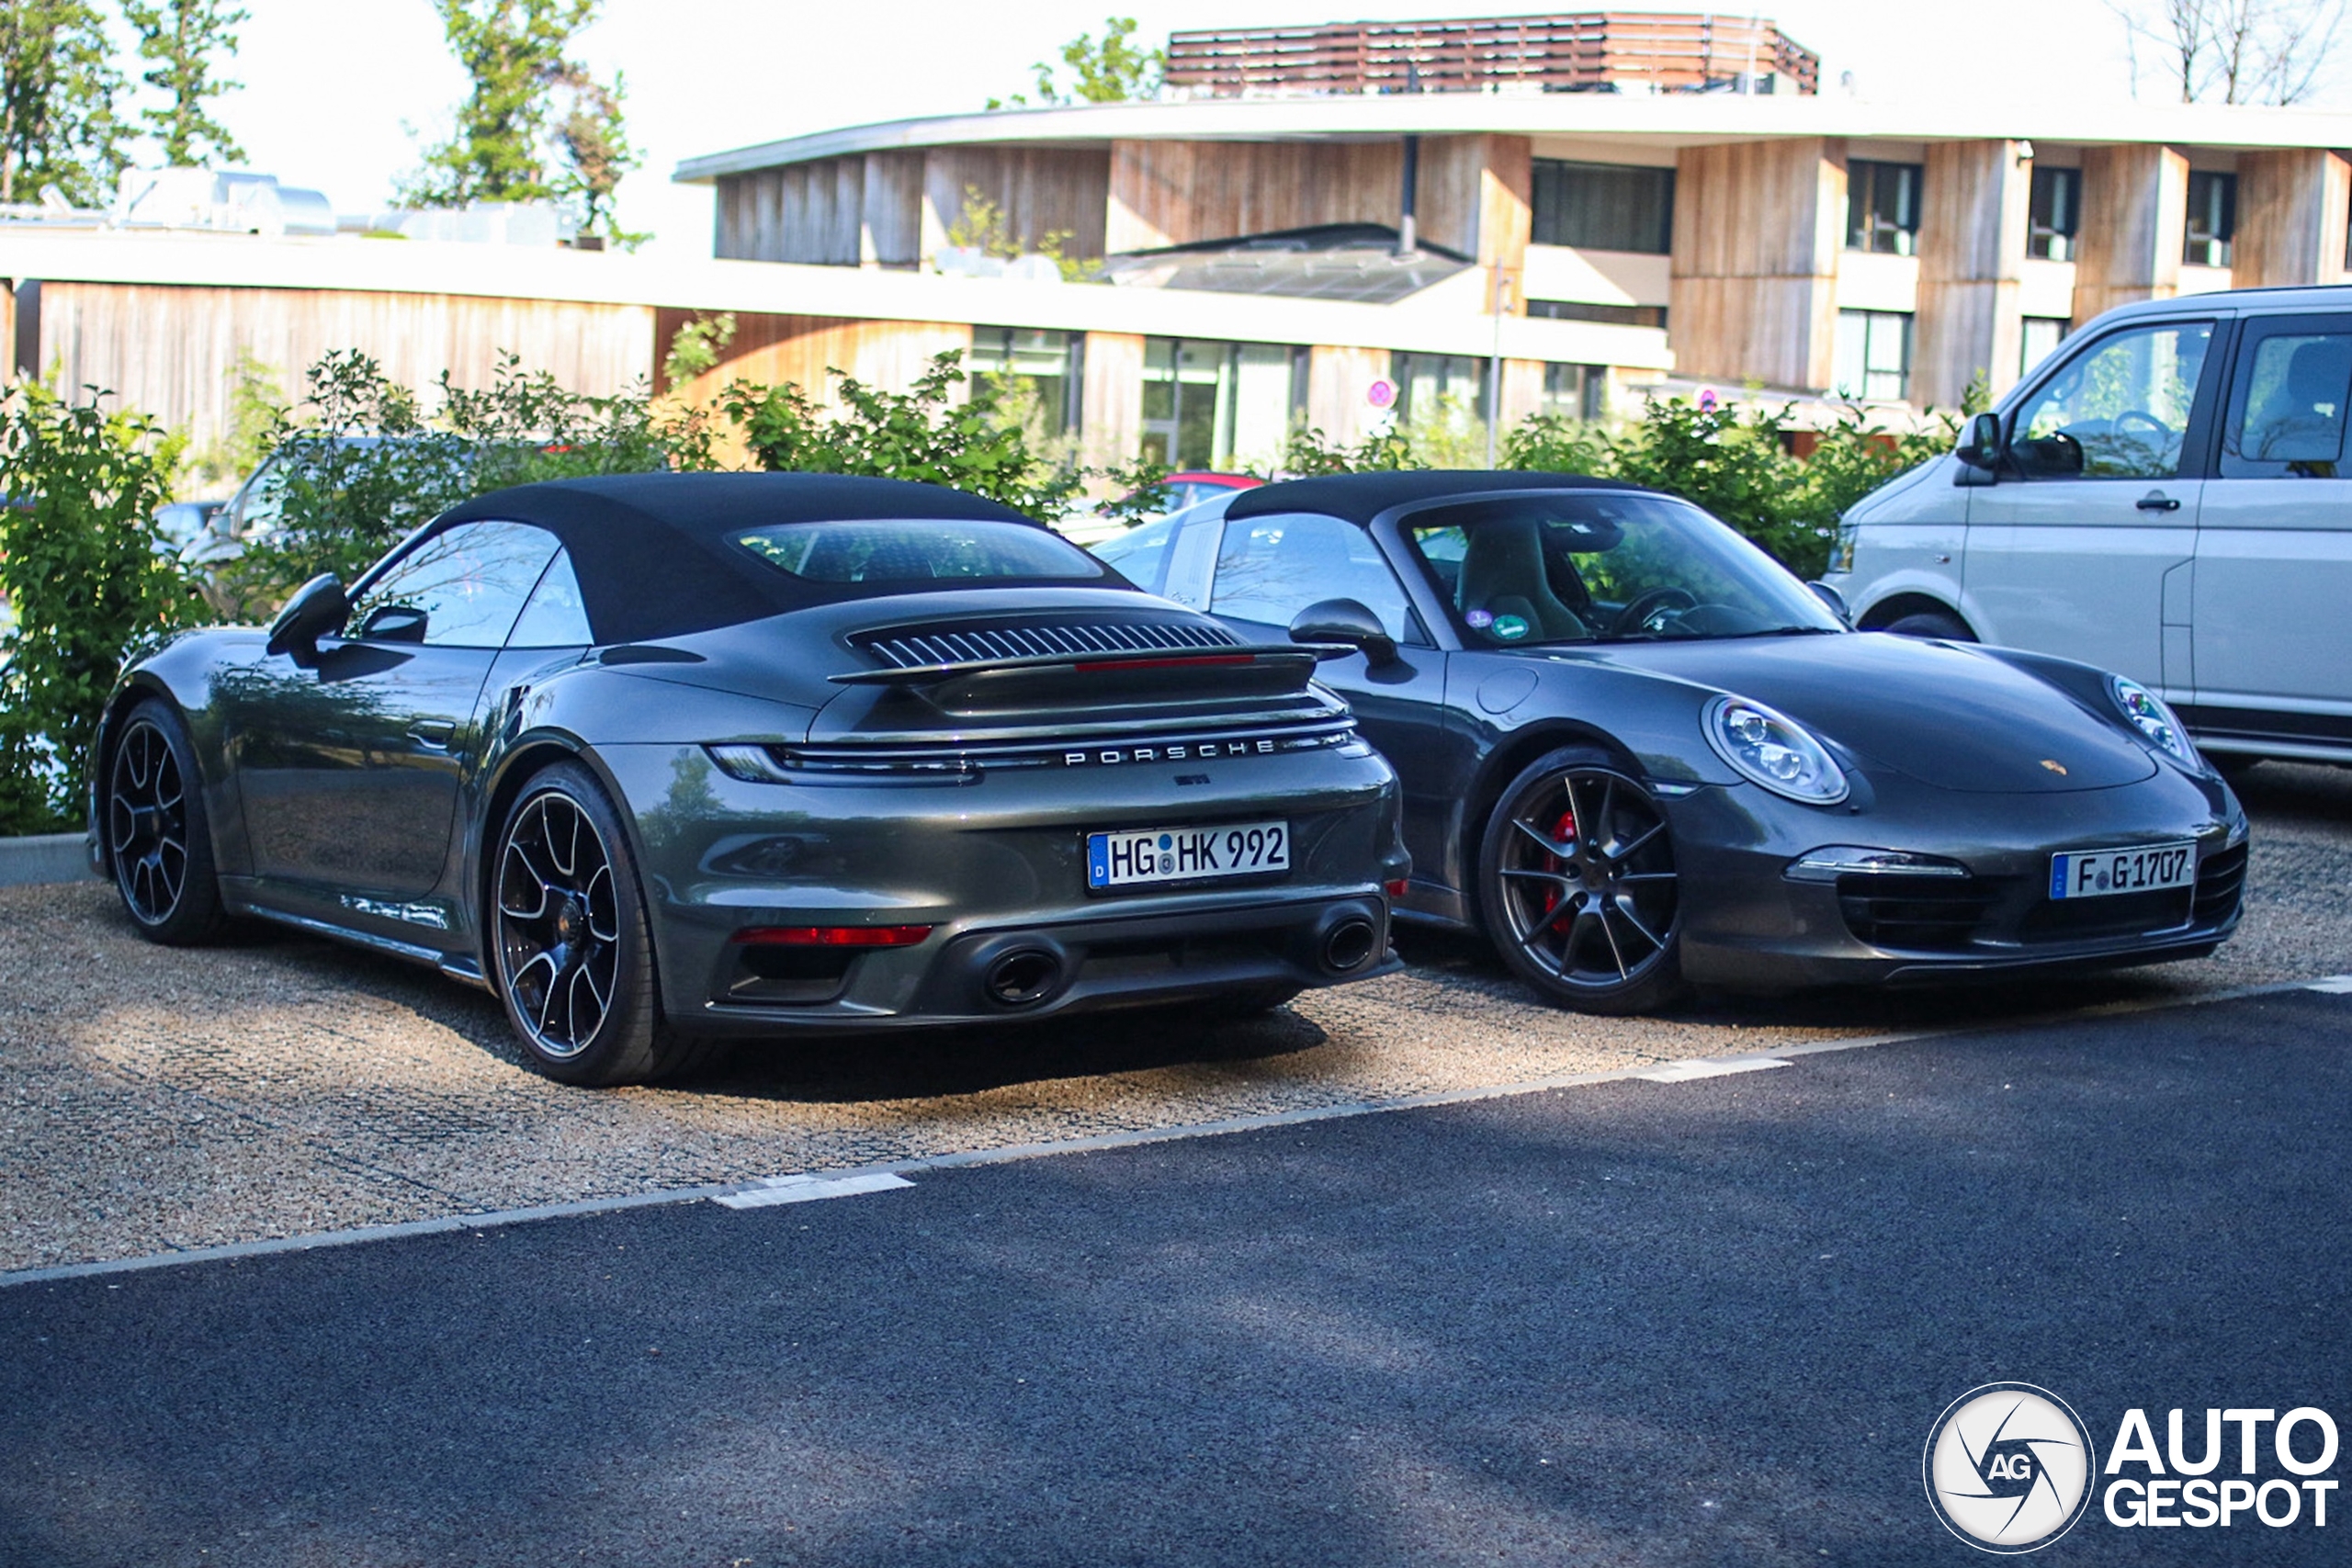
1349	944
1023	977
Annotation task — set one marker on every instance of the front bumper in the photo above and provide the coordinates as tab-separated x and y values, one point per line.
996	869
1750	926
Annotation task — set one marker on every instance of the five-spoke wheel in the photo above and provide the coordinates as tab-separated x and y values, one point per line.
570	939
156	841
1578	885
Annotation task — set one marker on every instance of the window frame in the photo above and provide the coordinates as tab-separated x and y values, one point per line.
1868	230
2197	440
423	538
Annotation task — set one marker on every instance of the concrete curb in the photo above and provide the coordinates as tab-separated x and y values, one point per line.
44	857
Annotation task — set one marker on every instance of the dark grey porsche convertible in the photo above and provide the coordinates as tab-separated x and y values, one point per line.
1635	751
667	758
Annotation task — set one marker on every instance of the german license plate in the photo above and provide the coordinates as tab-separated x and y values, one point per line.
1136	856
2144	868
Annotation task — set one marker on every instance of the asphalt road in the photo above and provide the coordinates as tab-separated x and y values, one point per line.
1704	1322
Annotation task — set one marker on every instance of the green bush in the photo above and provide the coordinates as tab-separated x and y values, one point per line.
83	567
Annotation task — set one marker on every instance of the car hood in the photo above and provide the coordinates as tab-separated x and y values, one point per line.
1946	715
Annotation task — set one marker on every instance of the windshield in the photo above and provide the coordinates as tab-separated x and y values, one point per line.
1605	566
917	550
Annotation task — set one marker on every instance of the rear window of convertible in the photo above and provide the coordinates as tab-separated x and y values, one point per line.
917	550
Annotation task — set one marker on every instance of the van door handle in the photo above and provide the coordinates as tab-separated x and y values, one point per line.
434	732
2156	500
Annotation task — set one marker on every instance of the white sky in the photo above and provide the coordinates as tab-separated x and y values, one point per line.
333	88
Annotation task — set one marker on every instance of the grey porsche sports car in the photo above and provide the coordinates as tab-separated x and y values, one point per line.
1635	751
666	757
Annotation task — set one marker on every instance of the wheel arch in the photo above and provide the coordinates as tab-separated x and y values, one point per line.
1504	763
135	687
1894	606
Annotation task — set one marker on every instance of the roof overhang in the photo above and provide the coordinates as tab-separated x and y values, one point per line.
1668	121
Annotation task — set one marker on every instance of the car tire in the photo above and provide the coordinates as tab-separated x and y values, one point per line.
570	946
1930	623
1575	838
157	834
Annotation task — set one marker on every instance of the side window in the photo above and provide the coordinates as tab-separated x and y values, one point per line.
462	588
554	618
2119	410
1271	568
2287	402
1140	555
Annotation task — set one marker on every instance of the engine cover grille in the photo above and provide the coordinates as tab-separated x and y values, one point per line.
909	648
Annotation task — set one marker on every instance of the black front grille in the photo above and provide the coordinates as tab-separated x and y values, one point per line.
2221	882
1934	914
2118	914
919	646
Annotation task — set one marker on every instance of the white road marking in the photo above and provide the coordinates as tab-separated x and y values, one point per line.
2334	985
1709	1068
807	1189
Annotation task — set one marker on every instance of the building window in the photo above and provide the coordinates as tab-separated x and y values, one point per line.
1882	207
2054	212
1432	385
1576	391
2212	219
1603	207
1616	315
1219	405
2040	338
1873	350
1036	375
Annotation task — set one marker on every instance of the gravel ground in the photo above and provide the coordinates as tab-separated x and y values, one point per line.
153	1099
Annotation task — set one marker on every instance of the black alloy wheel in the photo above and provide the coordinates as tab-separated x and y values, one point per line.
1578	885
570	941
158	842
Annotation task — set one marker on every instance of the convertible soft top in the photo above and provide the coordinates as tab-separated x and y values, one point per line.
1359	498
653	552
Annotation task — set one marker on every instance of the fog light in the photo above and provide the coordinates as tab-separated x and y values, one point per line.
831	936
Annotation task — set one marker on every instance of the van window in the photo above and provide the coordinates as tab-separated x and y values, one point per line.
2120	409
2287	409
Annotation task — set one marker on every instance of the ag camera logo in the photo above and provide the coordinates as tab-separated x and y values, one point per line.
2009	1467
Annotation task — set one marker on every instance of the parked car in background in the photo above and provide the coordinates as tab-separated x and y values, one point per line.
668	757
2169	497
1637	751
181	524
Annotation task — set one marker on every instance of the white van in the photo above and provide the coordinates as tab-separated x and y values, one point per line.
2166	496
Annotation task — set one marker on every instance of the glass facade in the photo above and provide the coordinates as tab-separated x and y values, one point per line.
1603	207
1040	375
1874	351
1616	315
1882	207
1429	386
2212	219
1220	405
2053	213
1577	391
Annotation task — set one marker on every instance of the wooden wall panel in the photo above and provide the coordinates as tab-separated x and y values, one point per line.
1758	228
1041	190
1336	381
169	350
890	233
810	212
1172	193
774	349
1972	260
2135	219
2292	209
1112	428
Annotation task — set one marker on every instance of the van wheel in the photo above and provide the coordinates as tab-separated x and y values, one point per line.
1931	623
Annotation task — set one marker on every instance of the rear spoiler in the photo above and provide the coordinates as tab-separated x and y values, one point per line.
1059	679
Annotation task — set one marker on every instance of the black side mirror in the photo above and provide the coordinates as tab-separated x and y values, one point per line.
393	623
1347	623
1835	600
1982	446
317	609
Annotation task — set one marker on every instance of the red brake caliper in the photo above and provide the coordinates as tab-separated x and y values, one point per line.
1563	832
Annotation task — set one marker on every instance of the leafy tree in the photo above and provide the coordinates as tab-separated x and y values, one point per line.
1112	71
58	87
696	347
181	37
925	433
81	567
535	126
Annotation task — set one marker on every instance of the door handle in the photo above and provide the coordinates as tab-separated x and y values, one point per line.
2156	500
434	732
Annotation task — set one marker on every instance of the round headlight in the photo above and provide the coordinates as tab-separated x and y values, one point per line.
2146	712
1774	750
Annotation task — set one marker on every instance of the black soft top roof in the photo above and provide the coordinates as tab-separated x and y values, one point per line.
1359	498
654	552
